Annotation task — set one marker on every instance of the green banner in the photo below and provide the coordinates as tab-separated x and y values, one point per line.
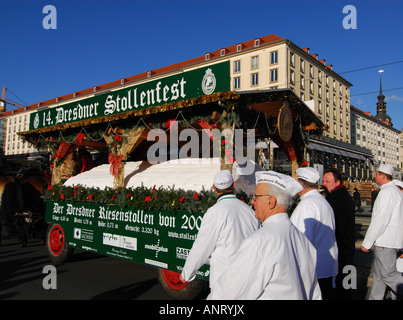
182	86
159	238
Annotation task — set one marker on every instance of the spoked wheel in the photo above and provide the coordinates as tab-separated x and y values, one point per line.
57	247
175	289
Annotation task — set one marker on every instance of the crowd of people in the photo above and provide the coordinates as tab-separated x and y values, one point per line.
271	253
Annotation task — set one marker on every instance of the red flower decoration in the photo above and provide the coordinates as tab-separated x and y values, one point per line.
128	195
50	187
181	199
196	196
61	196
147	199
304	163
113	197
90	197
80	137
118	138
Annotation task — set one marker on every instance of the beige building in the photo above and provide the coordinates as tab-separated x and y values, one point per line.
381	138
401	153
13	144
269	62
281	64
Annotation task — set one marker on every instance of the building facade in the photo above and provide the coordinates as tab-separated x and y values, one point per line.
13	144
281	65
378	136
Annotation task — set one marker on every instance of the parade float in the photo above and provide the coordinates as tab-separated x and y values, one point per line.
132	167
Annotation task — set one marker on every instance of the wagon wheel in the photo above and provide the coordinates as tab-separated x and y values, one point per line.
175	289
56	244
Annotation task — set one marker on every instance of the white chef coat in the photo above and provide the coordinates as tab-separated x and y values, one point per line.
386	228
276	262
314	217
222	230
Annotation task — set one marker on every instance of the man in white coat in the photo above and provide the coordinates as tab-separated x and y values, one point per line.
223	228
315	218
386	234
276	262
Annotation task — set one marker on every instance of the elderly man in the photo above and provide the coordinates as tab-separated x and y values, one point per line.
315	218
386	234
223	228
278	261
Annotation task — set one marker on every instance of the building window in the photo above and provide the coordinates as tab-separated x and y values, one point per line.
292	59
237	83
255	62
257	42
273	75
302	83
311	71
238	48
292	77
255	79
302	65
237	66
274	57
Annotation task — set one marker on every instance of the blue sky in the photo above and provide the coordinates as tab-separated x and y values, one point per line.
101	41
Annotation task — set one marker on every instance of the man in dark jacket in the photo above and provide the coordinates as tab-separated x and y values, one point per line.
343	207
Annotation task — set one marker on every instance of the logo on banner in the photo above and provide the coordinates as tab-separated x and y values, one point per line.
208	82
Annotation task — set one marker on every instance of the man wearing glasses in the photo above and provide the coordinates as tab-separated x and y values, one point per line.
277	261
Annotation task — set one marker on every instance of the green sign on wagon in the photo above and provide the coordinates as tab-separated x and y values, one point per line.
182	86
159	238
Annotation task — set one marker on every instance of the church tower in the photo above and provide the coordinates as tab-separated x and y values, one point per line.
381	105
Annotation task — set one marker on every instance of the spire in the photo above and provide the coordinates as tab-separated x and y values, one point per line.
381	104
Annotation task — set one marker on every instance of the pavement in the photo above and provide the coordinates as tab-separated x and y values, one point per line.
362	261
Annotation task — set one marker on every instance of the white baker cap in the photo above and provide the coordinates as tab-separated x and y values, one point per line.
308	174
284	182
223	179
386	168
398	183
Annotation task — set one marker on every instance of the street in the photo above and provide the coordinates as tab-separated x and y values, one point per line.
88	276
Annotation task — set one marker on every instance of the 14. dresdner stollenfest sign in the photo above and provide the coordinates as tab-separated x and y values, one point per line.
155	237
186	85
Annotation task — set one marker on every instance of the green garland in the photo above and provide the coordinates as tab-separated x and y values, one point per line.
169	199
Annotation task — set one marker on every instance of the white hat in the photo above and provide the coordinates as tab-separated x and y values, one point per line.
284	182
386	168
223	179
308	174
398	183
